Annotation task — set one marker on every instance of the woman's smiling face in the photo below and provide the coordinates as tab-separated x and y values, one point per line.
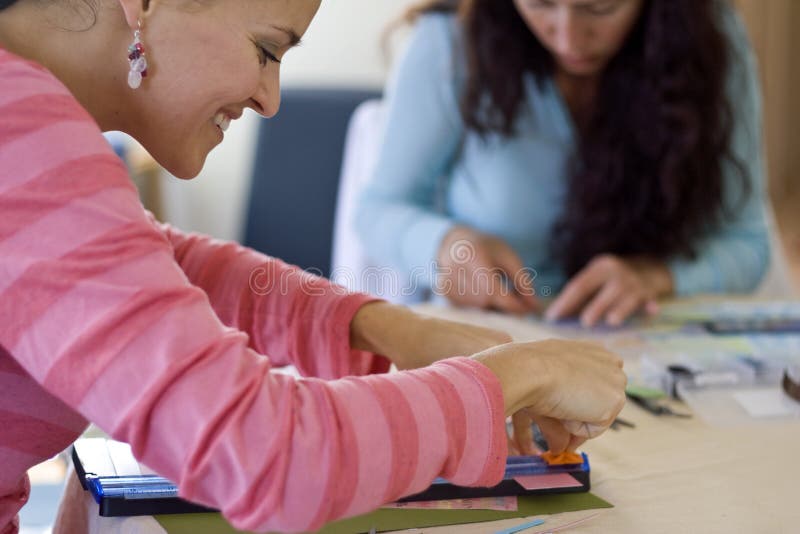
207	62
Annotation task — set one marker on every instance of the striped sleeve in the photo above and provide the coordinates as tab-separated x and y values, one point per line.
95	308
289	314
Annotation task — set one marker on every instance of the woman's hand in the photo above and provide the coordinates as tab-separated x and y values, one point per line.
483	271
611	289
412	340
573	390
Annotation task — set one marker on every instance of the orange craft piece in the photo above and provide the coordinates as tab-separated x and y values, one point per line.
563	458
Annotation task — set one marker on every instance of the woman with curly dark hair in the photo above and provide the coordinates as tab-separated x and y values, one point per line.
606	150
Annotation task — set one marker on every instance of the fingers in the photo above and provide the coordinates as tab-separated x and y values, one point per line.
506	298
605	299
512	447
508	301
583	382
557	436
503	296
575	442
518	279
623	309
610	288
651	307
577	291
584	430
487	276
523	283
462	252
523	433
613	303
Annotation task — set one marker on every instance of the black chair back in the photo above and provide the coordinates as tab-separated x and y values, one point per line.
296	176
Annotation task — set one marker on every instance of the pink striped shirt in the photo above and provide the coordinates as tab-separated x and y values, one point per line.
167	341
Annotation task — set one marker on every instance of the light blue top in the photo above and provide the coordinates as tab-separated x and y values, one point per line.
514	187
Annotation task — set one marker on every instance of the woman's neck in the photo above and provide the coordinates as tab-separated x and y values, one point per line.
579	94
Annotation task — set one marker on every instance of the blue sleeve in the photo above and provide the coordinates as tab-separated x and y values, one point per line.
736	257
396	217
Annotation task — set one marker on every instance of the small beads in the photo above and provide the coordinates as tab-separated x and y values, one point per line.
137	61
134	79
139	64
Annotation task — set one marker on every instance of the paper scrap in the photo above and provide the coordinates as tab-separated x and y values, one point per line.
551	480
763	403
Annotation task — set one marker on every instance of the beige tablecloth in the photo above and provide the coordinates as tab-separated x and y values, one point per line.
668	475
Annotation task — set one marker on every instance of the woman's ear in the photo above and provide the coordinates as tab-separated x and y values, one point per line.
135	10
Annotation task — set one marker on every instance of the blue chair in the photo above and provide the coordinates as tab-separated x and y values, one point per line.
296	176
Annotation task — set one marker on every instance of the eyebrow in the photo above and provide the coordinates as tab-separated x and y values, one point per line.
294	39
589	3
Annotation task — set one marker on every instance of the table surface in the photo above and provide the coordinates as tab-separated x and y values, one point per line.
666	475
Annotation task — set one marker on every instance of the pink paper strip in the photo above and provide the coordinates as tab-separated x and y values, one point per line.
553	480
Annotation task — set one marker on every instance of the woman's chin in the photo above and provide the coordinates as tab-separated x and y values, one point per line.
582	69
185	175
186	167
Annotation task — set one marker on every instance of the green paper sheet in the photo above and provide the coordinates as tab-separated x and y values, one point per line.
394	519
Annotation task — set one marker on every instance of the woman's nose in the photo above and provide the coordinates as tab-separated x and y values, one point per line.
568	34
267	98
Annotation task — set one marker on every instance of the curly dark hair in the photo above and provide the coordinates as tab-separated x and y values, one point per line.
647	179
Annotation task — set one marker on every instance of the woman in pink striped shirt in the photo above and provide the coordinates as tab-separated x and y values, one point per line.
159	337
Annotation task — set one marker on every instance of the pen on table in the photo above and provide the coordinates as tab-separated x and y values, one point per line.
524	526
618	422
654	406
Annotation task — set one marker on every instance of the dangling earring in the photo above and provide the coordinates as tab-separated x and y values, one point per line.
138	63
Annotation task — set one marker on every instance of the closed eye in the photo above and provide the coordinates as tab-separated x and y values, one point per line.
266	56
538	4
603	7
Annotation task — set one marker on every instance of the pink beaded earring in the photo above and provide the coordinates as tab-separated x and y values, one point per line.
138	63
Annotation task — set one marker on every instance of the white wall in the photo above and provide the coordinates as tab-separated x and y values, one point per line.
342	48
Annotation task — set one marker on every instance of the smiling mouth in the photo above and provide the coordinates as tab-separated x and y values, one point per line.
222	121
